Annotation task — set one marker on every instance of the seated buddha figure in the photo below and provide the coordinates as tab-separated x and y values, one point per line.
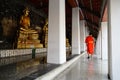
25	20
28	37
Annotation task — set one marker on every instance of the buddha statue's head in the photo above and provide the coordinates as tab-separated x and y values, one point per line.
26	11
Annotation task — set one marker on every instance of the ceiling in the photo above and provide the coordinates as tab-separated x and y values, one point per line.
90	10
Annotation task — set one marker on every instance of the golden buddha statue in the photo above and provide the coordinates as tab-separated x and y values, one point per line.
45	32
25	20
28	37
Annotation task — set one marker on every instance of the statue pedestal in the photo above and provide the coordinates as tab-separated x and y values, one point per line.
28	39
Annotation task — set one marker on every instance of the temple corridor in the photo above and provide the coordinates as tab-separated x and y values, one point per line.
86	69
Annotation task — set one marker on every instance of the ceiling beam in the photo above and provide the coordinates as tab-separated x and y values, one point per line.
104	5
89	10
73	3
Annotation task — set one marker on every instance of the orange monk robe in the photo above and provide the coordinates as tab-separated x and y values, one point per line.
90	44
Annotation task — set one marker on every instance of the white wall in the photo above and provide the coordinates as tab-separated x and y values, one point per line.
86	31
75	31
82	35
86	34
114	39
104	27
98	46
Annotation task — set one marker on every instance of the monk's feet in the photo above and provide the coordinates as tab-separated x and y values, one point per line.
88	57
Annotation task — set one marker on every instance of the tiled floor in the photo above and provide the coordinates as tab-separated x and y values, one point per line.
84	69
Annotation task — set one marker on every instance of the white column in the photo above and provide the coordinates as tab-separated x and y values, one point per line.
56	32
82	35
86	34
114	39
75	31
98	46
104	27
86	31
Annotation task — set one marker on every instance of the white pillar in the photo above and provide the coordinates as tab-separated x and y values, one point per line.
82	35
75	31
98	46
86	34
114	39
104	27
56	32
86	31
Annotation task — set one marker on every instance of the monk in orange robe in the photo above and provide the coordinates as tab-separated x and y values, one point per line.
90	45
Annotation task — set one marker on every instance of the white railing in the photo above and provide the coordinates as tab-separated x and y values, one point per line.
18	52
